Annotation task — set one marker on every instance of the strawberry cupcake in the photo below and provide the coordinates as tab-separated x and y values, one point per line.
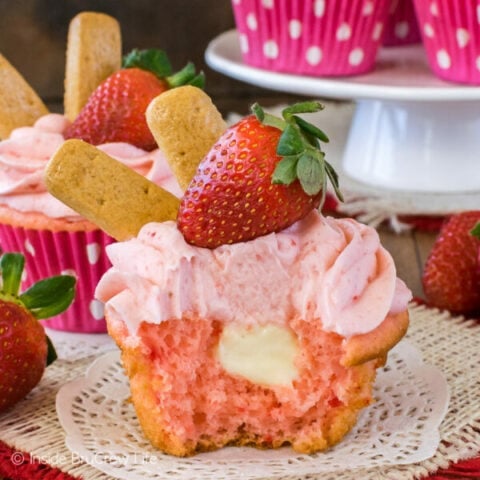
451	38
54	238
253	319
402	25
313	37
271	342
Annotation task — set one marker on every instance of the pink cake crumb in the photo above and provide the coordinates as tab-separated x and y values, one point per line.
184	397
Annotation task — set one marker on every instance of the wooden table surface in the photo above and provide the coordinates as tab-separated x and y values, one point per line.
410	251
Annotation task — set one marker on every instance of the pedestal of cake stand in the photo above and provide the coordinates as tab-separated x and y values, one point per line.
426	146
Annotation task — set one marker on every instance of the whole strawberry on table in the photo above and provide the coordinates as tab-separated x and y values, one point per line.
451	275
115	111
25	350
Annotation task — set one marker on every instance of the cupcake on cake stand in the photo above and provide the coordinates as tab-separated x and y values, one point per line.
413	138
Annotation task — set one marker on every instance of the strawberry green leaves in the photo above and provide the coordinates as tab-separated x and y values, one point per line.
310	173
311	129
50	296
45	298
291	142
300	147
157	62
152	59
286	171
186	76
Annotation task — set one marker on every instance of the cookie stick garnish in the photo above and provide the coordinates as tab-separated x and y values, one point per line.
20	106
94	51
106	192
185	124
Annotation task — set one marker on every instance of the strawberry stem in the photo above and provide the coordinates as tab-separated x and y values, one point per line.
12	265
300	147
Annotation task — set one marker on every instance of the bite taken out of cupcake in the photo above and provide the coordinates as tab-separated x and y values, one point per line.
244	316
105	100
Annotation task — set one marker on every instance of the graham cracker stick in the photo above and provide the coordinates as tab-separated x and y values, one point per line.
20	106
185	124
94	52
106	192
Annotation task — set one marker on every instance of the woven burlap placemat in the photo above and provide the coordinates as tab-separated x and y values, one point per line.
449	343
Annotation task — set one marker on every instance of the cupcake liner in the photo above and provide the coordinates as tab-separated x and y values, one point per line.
311	37
451	37
402	25
81	254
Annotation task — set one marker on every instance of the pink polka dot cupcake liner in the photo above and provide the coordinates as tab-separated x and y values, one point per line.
451	38
402	25
311	37
81	254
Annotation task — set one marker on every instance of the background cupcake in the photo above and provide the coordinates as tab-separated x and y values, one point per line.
313	37
402	25
104	105
451	36
55	239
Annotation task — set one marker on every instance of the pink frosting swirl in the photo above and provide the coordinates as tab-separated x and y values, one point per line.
24	155
319	268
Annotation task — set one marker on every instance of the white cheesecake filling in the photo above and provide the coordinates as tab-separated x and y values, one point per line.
264	355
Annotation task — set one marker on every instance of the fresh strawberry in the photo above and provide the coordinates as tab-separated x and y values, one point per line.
476	233
451	276
262	175
25	350
115	112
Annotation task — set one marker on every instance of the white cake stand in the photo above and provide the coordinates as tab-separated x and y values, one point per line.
412	135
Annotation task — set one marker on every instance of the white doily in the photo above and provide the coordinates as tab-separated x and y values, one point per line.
75	346
400	428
